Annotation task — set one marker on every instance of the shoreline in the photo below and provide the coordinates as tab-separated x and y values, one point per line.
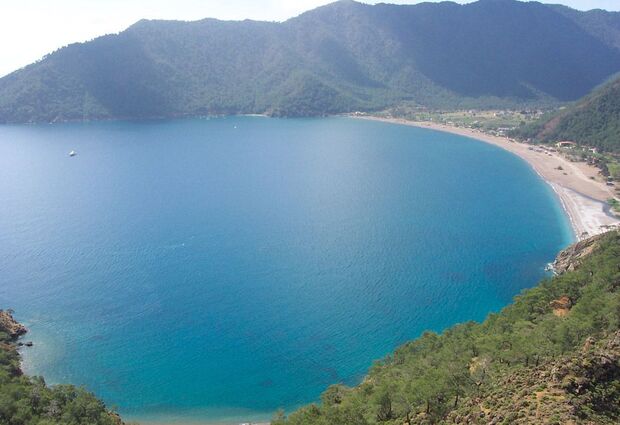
581	209
583	199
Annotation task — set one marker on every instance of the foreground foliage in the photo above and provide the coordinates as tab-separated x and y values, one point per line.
29	401
526	364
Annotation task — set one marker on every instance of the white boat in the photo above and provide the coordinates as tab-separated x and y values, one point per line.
72	153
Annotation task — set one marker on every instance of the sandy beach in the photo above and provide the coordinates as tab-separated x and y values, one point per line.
584	199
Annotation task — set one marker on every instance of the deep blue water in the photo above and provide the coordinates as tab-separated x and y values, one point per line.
219	269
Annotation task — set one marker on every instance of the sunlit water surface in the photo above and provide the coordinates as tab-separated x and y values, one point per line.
219	269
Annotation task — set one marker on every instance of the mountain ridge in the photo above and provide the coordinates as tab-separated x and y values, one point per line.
341	57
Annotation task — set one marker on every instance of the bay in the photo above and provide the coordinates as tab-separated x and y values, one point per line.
218	269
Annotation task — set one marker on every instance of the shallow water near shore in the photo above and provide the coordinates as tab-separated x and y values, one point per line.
216	270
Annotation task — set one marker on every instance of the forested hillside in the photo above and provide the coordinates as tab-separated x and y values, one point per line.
342	57
553	356
28	400
592	121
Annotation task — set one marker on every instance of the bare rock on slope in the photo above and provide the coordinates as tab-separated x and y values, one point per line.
11	326
571	258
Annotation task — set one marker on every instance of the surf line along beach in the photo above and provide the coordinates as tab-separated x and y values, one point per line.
583	198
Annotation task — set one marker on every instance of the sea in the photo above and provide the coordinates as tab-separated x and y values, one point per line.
213	270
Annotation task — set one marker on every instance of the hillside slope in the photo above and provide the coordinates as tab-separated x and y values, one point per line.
28	400
551	357
578	388
342	57
592	121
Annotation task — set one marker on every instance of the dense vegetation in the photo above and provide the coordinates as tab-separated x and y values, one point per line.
343	57
553	356
592	121
29	401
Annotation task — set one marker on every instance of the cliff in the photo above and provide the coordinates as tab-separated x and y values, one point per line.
10	326
571	258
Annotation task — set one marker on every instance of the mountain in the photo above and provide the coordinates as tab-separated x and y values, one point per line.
599	23
342	57
551	357
592	121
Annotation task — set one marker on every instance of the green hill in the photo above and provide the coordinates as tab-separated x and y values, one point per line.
552	357
592	121
342	57
28	400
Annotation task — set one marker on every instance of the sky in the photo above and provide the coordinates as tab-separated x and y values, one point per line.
29	29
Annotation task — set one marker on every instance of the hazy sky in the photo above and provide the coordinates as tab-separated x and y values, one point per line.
31	28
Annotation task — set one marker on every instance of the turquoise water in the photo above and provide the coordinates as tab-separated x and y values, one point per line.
219	269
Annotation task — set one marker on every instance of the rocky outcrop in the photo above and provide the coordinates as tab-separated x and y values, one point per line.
116	418
571	258
561	306
11	326
559	391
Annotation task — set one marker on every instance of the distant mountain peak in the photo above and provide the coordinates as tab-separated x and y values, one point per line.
504	2
346	56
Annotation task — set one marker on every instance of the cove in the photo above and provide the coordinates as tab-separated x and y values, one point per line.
217	269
